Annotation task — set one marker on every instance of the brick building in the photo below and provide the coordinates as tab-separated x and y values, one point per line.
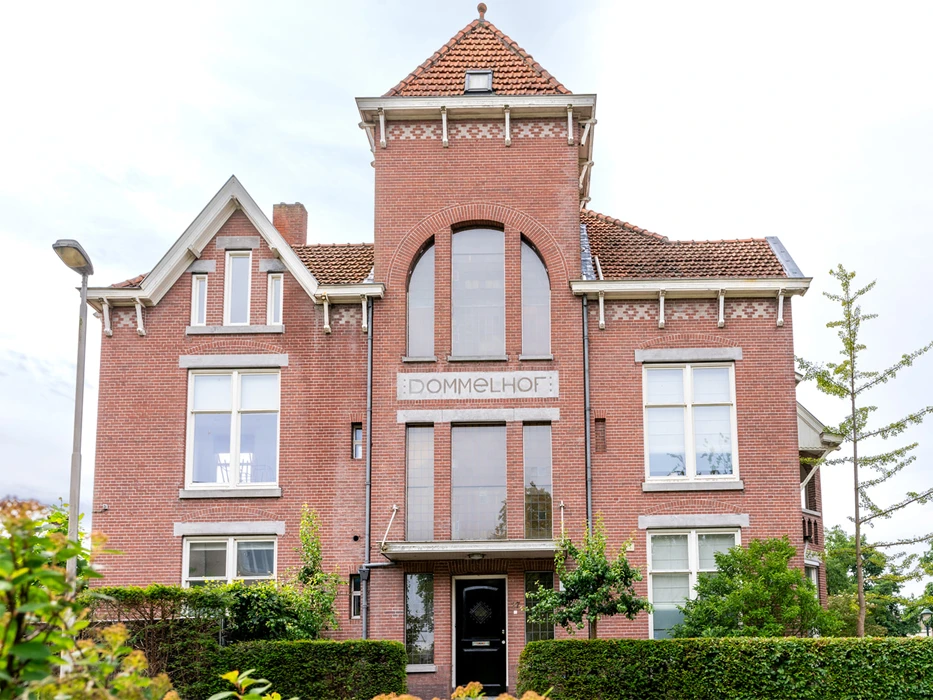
502	364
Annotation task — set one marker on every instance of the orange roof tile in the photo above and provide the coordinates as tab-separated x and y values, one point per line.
130	283
627	251
479	46
339	263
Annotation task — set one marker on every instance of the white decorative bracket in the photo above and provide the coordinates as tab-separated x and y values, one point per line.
602	311
508	130
586	130
105	306
445	142
140	328
780	300
382	128
326	315
194	251
722	308
365	327
368	128
586	166
583	202
569	125
661	309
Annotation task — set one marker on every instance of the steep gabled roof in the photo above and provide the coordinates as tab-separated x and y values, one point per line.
629	252
479	46
347	263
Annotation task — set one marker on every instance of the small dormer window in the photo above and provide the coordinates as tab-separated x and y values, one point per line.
478	81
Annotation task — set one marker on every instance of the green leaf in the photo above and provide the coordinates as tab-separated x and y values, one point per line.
31	650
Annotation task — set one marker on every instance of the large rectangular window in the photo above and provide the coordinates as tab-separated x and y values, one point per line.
675	561
419	457
477	281
419	618
536	631
536	441
477	482
237	282
690	421
226	559
233	428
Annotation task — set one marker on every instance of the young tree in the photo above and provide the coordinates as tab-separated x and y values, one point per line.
755	593
592	587
846	380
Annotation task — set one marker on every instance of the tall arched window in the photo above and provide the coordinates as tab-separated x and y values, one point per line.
421	306
477	282
536	304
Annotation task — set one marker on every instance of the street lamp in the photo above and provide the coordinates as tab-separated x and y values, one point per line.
73	255
926	617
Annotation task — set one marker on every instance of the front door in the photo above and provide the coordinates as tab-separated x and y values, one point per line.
480	633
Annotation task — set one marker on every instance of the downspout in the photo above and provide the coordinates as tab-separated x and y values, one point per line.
364	570
587	414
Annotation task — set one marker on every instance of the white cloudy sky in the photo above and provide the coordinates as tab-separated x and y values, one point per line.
808	121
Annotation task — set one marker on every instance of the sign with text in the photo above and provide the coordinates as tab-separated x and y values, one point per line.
451	386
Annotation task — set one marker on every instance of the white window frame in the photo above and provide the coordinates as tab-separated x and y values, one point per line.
688	405
228	280
231	543
693	559
198	300
356	596
234	473
270	307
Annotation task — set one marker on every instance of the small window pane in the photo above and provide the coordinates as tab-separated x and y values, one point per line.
421	307
255	559
711	385
670	588
478	293
669	552
419	618
207	559
538	505
535	631
211	448
258	447
356	448
199	316
709	545
238	303
665	386
713	430
536	304
211	392
275	299
259	392
420	467
478	507
666	454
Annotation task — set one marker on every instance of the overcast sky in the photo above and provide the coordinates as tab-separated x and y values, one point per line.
808	121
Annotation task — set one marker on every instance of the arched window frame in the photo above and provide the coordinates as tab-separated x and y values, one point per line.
536	313
478	319
419	340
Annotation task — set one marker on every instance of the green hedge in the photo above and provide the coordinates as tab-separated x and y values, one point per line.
703	669
353	670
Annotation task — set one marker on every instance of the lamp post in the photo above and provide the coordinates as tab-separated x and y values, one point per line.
926	617
73	255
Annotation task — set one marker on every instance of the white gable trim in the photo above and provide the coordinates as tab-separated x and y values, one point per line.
191	244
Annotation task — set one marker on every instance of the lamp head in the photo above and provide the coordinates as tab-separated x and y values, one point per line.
73	255
926	615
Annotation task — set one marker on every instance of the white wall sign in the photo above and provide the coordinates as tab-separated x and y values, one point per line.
477	385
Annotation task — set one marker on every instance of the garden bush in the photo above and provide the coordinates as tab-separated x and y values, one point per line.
735	668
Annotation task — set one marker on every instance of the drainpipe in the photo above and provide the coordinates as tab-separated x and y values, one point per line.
587	413
364	570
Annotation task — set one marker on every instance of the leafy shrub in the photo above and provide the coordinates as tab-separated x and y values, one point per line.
735	668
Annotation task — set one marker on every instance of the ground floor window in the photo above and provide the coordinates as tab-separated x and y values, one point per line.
536	631
227	559
813	573
675	561
419	618
356	597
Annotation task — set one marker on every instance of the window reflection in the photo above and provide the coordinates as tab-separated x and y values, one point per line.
421	306
419	618
536	304
477	281
478	508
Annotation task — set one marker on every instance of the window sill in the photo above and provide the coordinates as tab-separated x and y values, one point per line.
420	668
478	358
232	330
814	513
426	358
735	485
533	358
267	492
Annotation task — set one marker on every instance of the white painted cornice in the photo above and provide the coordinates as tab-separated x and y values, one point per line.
469	106
348	293
677	288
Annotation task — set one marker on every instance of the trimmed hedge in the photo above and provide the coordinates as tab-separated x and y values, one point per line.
735	668
353	670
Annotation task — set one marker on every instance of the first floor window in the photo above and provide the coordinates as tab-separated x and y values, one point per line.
356	596
538	507
535	631
419	618
226	559
477	482
477	293
419	467
233	428
675	561
690	421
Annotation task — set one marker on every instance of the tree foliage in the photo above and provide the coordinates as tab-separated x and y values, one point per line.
593	586
317	587
848	381
755	593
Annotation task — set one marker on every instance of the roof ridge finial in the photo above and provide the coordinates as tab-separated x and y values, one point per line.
481	8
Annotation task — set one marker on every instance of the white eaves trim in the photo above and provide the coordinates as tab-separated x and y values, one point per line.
348	293
690	288
466	106
190	245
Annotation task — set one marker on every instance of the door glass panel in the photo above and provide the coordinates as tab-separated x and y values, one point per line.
478	506
713	429
666	454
